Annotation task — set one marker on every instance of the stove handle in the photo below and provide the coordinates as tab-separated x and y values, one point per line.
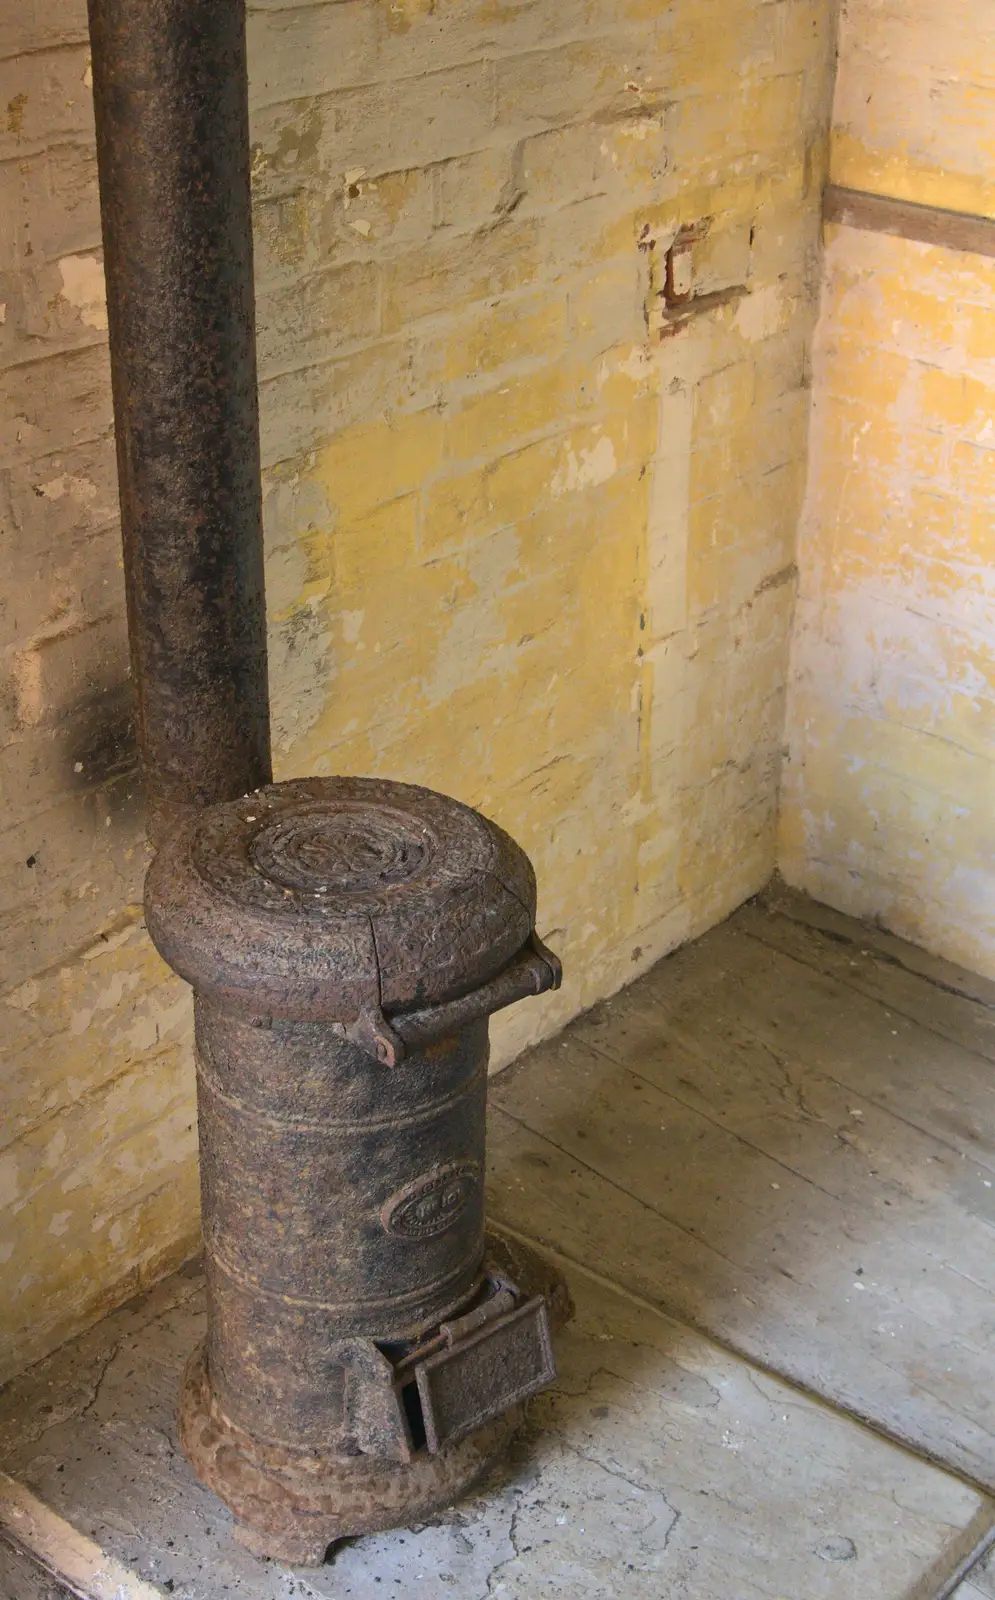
534	970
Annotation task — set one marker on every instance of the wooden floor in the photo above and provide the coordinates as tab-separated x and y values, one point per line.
785	1135
659	1466
767	1167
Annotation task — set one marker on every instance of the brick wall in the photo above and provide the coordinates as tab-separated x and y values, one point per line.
887	807
536	283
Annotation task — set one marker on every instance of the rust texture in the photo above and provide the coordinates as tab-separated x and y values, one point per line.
302	1248
354	901
291	1503
347	940
170	96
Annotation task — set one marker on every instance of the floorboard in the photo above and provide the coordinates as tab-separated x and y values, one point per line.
21	1578
980	1585
769	1170
659	1468
807	1169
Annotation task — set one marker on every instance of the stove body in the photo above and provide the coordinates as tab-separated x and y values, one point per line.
368	1346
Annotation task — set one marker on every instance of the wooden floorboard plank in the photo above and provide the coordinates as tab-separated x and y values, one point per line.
898	953
780	1232
539	1189
978	1585
974	1572
911	1184
21	1578
813	1174
928	1080
76	1564
862	962
760	1212
980	1582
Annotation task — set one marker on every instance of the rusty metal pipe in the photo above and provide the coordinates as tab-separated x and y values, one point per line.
369	1342
171	102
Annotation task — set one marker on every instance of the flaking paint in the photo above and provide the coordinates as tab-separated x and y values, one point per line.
525	543
888	793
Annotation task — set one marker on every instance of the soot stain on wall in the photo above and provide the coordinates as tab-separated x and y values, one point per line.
99	747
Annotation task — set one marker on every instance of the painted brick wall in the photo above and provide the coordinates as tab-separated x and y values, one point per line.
530	517
887	805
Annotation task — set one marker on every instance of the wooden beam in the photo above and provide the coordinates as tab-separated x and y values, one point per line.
22	1577
77	1566
880	213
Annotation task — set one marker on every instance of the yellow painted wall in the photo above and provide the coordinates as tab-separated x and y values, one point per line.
914	108
889	791
530	539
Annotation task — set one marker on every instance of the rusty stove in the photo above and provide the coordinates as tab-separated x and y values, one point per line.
368	1342
346	940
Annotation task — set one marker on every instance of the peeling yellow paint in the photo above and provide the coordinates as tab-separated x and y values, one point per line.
761	315
83	288
900	175
596	465
887	797
520	547
80	489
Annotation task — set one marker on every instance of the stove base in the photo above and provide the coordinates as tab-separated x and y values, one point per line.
291	1505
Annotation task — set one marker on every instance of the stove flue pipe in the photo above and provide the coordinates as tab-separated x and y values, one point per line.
171	103
369	1343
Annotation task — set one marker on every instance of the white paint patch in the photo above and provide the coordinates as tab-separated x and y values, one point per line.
108	999
895	649
639	365
83	287
760	314
60	1223
669	536
10	1182
591	468
352	622
104	947
23	998
641	128
162	1020
79	489
475	642
26	673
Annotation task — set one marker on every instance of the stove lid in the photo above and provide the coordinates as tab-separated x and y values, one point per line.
328	898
